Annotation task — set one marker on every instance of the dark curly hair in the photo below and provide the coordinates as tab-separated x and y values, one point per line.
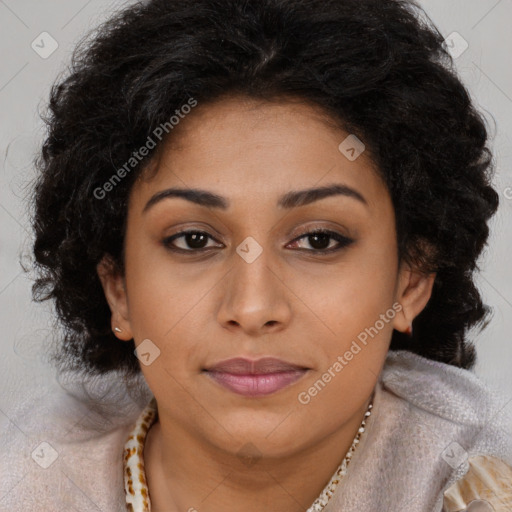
378	68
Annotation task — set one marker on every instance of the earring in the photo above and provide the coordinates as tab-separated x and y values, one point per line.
117	329
408	331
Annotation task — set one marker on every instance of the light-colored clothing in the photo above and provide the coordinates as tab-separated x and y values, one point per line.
436	440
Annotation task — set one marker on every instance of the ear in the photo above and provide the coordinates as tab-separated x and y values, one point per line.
413	292
115	292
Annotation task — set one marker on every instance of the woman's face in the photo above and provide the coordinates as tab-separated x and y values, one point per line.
251	285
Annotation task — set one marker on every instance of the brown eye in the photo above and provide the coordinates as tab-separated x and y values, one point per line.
193	241
320	241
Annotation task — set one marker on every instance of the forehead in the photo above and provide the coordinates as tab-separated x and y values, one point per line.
246	148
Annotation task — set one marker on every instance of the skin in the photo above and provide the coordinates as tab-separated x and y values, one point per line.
304	308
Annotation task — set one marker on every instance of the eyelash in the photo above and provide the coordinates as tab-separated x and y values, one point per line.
343	241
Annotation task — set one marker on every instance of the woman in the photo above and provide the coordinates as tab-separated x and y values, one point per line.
271	211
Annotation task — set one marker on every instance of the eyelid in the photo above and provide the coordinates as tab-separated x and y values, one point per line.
313	228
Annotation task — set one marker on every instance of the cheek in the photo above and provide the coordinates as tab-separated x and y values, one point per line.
357	288
162	307
159	296
354	302
358	320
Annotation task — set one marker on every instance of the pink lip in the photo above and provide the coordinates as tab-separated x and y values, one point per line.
255	378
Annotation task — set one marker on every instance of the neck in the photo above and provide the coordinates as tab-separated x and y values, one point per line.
186	473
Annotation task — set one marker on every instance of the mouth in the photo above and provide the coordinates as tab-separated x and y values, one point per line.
255	378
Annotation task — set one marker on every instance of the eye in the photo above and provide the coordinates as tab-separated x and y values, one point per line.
194	240
320	239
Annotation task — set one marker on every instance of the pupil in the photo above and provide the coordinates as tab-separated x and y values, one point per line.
194	240
324	240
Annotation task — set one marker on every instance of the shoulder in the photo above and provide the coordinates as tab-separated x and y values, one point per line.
451	395
487	486
64	450
474	419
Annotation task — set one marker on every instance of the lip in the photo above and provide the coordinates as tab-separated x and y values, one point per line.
255	377
244	366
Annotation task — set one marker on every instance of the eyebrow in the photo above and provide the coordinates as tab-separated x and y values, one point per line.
289	200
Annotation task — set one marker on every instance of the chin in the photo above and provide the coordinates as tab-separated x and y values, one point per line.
269	438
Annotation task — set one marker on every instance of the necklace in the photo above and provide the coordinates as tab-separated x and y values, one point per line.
321	502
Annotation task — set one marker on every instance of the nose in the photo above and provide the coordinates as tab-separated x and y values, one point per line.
254	298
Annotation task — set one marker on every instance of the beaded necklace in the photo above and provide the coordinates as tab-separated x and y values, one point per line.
321	502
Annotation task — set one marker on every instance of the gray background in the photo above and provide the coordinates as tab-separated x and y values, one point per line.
25	79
